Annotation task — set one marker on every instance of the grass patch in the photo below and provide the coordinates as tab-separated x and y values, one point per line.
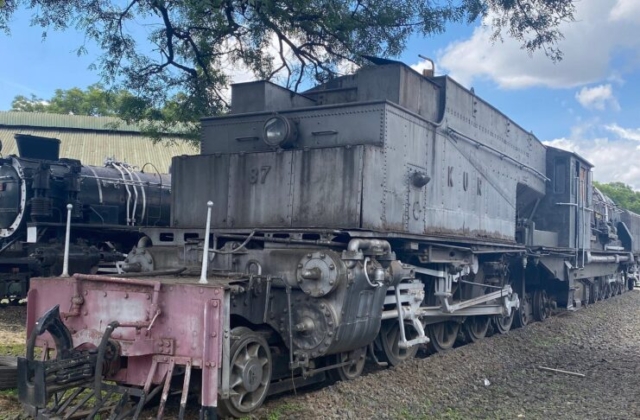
452	414
9	393
13	349
283	410
9	405
549	341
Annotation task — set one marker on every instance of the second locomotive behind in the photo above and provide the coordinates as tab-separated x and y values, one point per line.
109	203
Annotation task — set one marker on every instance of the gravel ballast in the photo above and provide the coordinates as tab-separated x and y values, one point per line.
496	378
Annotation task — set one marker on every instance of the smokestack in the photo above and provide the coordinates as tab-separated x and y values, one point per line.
428	72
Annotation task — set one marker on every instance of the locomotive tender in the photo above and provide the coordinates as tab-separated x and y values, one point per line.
109	203
367	217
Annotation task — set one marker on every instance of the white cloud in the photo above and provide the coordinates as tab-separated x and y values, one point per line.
616	78
613	157
624	133
588	47
597	97
625	10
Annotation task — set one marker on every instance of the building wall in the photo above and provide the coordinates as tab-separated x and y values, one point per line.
92	139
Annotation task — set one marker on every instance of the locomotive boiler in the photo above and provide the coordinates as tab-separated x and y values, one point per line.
370	216
109	203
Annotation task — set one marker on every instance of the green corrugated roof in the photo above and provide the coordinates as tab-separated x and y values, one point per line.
88	140
77	122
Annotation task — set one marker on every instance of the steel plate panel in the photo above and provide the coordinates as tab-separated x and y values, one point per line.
632	221
260	190
330	126
327	187
373	180
409	138
476	195
476	119
196	180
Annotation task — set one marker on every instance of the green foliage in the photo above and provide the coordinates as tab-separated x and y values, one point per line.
12	349
33	104
175	56
283	411
621	194
94	101
97	101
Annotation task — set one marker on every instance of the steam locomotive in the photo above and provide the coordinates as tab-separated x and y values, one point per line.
109	203
370	216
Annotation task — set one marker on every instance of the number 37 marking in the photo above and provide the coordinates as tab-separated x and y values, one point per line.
259	174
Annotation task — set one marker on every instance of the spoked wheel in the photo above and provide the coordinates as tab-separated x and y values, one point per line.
389	339
594	292
250	373
442	335
607	290
475	328
603	291
585	302
522	315
351	370
541	305
503	324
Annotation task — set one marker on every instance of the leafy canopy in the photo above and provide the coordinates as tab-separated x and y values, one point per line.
621	194
159	48
95	101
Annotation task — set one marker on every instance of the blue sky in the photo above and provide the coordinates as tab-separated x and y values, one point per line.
589	102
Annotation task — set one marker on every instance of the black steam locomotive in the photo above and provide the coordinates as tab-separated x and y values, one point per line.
372	215
109	204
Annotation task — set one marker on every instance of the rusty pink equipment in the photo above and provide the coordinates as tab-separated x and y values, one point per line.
373	215
155	347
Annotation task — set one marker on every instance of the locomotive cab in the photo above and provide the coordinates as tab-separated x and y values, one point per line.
566	208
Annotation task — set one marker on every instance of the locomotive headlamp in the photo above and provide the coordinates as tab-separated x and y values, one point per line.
279	132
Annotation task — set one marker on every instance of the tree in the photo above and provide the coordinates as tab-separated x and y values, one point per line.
189	42
97	101
621	194
33	104
94	101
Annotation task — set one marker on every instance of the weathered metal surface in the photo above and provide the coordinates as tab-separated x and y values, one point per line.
264	96
275	189
470	192
327	126
474	118
259	190
566	207
632	222
396	83
480	167
327	187
155	321
197	180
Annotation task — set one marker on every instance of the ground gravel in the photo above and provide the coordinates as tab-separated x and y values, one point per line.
601	341
497	378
